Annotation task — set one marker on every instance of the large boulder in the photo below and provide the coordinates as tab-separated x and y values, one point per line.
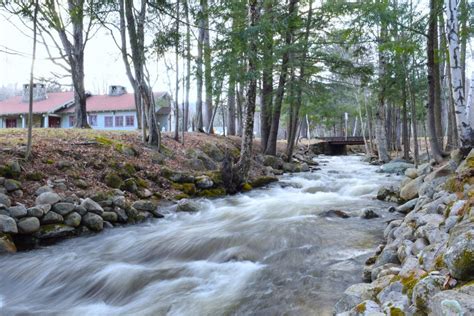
52	218
54	231
145	205
28	225
396	167
451	302
410	190
110	217
63	208
48	198
18	211
273	161
411	173
93	222
442	171
73	219
38	210
389	194
12	185
186	205
92	206
7	225
459	256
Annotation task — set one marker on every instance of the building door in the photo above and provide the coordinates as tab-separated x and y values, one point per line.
54	122
10	123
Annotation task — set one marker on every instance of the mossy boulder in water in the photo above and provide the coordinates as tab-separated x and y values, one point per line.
262	181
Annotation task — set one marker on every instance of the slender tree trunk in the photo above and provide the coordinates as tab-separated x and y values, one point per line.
30	101
199	72
176	103
231	105
431	114
273	137
207	69
267	74
462	109
188	68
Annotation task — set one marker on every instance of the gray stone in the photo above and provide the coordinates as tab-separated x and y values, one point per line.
5	200
290	167
186	205
429	188
429	254
369	214
459	256
43	189
419	245
367	308
442	171
204	182
425	289
73	219
93	221
411	173
411	267
48	198
424	169
377	270
18	211
451	303
121	214
17	194
54	231
108	225
28	225
354	295
429	219
8	225
52	218
119	201
36	211
92	206
404	250
395	167
12	185
145	205
63	208
457	207
81	210
407	207
390	194
110	217
450	222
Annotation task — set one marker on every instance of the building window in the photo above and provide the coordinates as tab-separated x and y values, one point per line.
72	120
130	120
93	120
109	121
118	121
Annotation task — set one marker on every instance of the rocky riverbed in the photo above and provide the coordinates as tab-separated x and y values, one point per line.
426	264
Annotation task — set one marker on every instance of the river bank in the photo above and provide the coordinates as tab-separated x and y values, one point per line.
425	265
81	181
289	248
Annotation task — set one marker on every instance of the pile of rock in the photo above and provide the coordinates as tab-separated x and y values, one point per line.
426	265
55	217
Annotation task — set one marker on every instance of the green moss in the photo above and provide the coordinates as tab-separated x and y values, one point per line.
395	311
212	193
129	185
166	172
129	168
465	261
439	262
35	176
8	172
189	188
142	183
181	196
247	187
113	180
101	196
216	177
49	161
361	308
261	181
410	282
104	140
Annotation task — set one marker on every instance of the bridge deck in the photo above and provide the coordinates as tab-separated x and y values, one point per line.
350	140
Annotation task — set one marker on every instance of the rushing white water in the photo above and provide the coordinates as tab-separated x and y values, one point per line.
268	252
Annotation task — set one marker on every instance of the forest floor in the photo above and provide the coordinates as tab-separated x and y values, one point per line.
84	160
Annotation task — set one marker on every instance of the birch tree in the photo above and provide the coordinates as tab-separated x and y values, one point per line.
462	108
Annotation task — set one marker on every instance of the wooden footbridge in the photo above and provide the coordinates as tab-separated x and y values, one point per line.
336	145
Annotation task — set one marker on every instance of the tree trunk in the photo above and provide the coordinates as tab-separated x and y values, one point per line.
188	67
273	137
231	105
207	69
462	109
267	74
431	115
176	103
199	72
30	101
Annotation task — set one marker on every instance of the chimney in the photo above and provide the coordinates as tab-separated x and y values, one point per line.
117	90
39	92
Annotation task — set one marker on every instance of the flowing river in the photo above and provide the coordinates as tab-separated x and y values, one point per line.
272	251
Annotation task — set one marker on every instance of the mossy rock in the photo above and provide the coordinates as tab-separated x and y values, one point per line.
261	181
361	308
104	140
130	185
113	180
11	170
34	176
210	193
142	183
246	187
49	161
181	196
189	188
166	172
102	196
81	183
216	177
395	311
129	168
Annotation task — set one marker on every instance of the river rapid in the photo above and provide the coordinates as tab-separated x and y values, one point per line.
271	251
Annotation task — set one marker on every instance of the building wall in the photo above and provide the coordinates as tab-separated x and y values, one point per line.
100	120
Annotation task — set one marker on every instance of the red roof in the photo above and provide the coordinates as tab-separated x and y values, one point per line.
104	103
95	103
14	105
